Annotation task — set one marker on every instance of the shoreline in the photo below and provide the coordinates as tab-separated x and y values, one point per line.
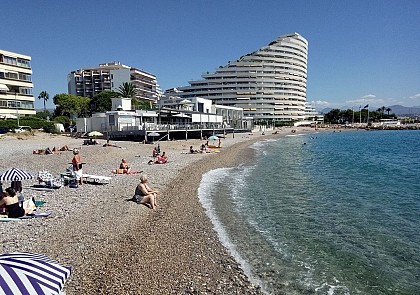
120	247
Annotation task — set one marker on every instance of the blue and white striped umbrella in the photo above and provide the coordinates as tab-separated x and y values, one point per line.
30	273
15	174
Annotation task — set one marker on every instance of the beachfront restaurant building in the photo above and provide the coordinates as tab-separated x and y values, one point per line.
171	115
16	97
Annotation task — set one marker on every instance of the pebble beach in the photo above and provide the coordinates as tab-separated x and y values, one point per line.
114	245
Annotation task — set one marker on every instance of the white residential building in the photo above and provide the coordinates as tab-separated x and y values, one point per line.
268	84
110	76
16	96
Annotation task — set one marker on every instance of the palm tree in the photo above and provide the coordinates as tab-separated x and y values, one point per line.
383	108
127	90
388	110
45	96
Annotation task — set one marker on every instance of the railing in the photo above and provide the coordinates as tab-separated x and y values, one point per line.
165	127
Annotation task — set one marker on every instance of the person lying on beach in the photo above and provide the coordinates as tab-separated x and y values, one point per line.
110	144
144	194
124	166
48	151
62	149
10	200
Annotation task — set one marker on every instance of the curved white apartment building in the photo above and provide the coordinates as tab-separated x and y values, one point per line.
269	83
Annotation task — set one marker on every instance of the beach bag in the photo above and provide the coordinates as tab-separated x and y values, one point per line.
29	205
73	185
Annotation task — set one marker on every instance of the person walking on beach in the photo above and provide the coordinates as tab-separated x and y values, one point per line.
77	166
144	194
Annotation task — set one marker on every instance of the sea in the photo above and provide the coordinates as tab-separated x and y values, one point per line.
323	212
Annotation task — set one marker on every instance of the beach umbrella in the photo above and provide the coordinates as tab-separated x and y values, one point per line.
15	174
213	137
153	134
95	133
31	273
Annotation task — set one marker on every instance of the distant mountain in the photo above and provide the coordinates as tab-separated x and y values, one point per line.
324	111
402	110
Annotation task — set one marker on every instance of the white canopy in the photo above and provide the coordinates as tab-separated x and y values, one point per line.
3	87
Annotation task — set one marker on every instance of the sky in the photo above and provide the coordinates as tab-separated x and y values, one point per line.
360	51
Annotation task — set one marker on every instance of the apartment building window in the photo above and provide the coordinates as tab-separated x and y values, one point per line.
11	75
26	91
23	63
25	77
9	60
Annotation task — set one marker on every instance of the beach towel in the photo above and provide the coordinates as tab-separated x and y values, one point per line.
35	215
135	172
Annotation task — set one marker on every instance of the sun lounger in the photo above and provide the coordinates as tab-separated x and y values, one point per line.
48	179
96	178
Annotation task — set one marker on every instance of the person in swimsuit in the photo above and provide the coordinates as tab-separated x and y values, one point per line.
13	209
144	194
124	166
77	166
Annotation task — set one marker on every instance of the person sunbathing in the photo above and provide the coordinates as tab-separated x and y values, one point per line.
155	152
10	199
64	148
110	144
162	159
144	194
193	151
124	166
48	151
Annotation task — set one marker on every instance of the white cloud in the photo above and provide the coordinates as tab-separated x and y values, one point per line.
319	103
415	96
369	96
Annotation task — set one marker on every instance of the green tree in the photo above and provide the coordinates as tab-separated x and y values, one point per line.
45	96
388	110
102	102
141	104
69	105
43	115
127	90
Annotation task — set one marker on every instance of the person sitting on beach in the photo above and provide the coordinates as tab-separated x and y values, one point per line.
10	199
204	149
144	194
193	151
155	152
17	186
124	166
77	166
162	159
